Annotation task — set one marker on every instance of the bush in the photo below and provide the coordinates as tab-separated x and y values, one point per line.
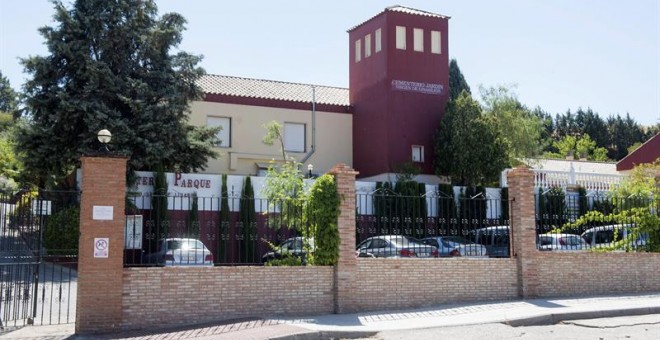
323	211
62	232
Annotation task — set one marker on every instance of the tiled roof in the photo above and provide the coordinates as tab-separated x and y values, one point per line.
270	89
402	9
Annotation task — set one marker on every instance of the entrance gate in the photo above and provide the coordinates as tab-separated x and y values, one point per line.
38	257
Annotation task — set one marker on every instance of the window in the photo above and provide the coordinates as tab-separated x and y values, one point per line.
436	42
377	38
401	37
418	40
418	153
358	50
224	135
294	137
367	45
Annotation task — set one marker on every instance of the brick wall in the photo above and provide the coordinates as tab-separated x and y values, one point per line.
585	273
109	297
404	283
160	297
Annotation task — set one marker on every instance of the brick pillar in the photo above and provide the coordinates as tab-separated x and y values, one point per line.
346	268
99	301
523	229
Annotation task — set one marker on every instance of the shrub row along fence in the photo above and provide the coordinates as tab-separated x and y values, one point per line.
596	222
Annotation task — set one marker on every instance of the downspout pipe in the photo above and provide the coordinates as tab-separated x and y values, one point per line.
313	146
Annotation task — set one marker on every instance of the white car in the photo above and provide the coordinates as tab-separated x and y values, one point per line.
557	241
180	252
605	236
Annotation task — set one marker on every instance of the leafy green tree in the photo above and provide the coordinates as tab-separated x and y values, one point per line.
513	122
582	147
457	83
463	128
110	66
623	133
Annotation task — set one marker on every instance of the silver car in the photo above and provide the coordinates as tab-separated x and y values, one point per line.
456	246
395	246
557	241
180	252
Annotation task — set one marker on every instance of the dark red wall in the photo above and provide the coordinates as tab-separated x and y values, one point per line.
646	153
388	122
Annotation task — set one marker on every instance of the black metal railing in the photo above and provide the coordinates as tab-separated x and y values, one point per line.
597	222
475	226
39	234
234	230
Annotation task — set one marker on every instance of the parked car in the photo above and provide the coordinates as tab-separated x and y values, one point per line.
495	239
180	252
561	241
606	235
395	246
290	247
455	246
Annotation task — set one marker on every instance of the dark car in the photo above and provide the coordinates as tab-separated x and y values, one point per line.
395	246
290	247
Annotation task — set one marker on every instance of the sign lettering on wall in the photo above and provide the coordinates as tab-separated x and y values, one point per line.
418	87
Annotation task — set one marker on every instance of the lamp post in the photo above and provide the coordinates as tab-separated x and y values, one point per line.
104	137
309	170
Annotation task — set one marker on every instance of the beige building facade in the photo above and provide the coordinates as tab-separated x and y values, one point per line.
316	121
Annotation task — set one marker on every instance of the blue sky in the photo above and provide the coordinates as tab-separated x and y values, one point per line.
559	55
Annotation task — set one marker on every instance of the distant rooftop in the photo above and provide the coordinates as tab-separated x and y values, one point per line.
605	168
271	89
403	9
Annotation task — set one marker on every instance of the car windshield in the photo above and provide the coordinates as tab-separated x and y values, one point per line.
184	244
572	240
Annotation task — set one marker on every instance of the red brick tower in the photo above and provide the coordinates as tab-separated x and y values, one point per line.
399	84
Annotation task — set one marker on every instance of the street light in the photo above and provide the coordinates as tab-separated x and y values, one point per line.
309	170
104	137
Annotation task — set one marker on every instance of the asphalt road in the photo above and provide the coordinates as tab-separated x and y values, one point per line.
645	327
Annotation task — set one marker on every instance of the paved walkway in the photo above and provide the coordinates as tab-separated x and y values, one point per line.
515	313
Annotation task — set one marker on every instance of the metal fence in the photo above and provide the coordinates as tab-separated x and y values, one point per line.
393	225
39	233
595	222
235	230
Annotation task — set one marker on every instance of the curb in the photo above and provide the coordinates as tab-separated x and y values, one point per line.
551	319
326	335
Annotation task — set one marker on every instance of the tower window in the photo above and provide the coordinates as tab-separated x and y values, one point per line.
418	153
436	42
401	37
418	39
358	50
377	38
367	45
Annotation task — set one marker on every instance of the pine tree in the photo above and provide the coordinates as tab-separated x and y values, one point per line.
111	66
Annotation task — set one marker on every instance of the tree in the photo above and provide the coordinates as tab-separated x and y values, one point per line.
248	221
8	97
463	128
457	83
110	66
513	122
582	147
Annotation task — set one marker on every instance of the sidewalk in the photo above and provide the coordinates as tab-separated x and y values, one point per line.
515	313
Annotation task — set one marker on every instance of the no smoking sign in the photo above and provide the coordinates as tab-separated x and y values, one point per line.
101	246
